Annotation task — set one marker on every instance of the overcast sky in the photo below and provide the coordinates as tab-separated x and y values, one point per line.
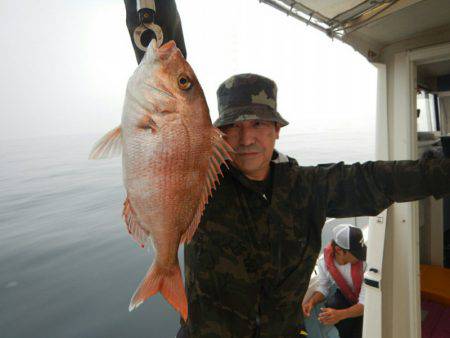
64	65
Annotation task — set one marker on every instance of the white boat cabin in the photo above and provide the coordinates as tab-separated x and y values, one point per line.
408	41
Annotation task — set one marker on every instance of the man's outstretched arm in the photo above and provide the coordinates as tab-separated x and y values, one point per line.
371	187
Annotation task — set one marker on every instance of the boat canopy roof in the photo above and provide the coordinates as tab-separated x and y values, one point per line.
369	25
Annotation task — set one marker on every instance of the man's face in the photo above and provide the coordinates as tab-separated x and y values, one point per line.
253	142
345	256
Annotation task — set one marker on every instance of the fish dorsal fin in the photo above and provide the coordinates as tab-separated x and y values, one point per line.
108	146
139	234
220	153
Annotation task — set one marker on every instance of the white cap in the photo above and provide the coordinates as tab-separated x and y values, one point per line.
350	238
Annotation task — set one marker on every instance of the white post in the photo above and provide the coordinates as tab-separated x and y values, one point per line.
372	327
401	301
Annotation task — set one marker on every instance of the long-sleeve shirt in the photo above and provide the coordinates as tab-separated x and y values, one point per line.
250	261
326	281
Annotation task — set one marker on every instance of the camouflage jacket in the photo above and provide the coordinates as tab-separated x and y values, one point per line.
250	261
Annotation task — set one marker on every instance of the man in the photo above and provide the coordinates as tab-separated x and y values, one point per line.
251	258
343	265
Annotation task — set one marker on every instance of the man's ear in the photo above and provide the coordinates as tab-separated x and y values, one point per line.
277	130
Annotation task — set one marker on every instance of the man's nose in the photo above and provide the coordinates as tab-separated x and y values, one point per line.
247	137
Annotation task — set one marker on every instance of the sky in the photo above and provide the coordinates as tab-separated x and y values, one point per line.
65	64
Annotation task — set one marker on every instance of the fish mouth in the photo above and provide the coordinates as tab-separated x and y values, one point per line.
168	46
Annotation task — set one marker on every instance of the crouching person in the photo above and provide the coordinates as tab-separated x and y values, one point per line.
343	264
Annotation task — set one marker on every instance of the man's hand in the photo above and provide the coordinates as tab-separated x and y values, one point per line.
307	307
317	297
329	316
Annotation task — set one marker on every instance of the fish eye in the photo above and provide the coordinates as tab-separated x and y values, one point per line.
183	82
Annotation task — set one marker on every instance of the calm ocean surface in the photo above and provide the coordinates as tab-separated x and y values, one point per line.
68	267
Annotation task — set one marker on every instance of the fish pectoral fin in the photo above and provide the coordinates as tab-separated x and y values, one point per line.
166	280
152	125
221	152
139	234
148	123
108	146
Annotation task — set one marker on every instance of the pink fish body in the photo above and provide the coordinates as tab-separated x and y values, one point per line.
171	161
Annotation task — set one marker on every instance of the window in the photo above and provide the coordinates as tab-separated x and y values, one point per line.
426	112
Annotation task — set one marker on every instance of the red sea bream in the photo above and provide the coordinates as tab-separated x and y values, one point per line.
171	161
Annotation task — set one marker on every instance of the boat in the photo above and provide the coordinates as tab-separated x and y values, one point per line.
408	41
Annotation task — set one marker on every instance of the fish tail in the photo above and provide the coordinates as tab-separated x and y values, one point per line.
168	281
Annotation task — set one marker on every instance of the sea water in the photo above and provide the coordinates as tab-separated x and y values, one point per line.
68	267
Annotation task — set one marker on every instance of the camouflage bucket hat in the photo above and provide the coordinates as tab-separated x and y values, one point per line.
248	97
